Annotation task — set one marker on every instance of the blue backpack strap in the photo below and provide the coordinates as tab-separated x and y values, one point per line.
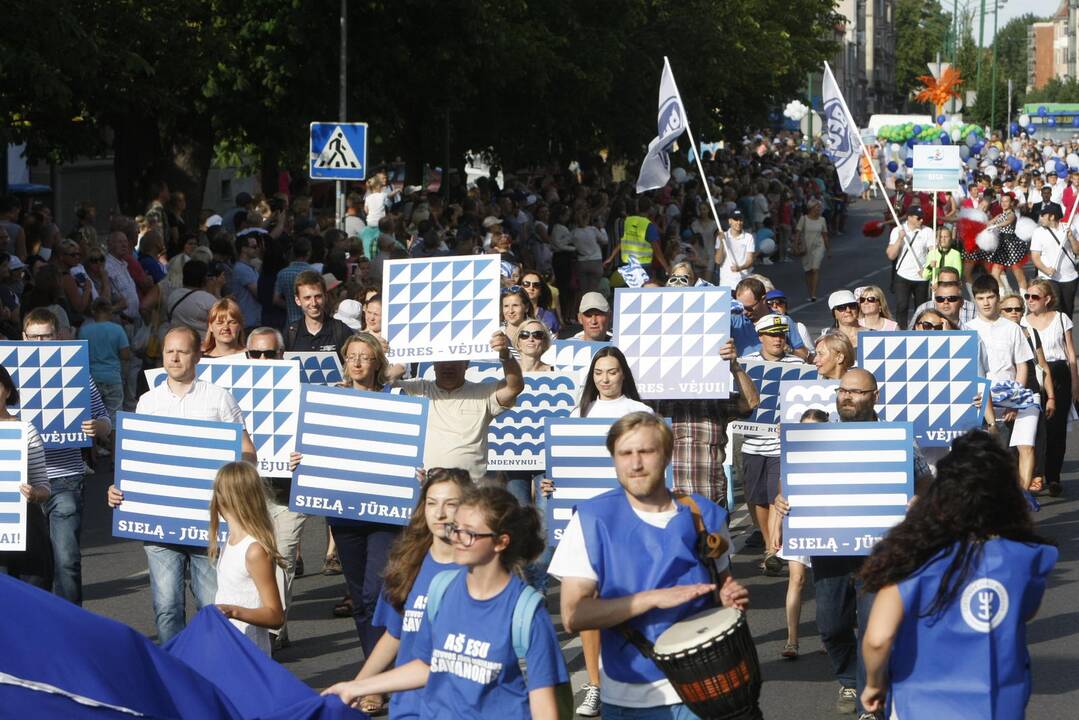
437	589
523	612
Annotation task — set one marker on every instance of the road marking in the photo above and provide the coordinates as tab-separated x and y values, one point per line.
853	283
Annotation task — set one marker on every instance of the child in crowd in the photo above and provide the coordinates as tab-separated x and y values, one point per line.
248	563
110	353
941	256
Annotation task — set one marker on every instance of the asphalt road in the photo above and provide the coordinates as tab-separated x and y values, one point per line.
325	649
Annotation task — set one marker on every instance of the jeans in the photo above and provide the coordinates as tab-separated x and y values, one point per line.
364	549
842	613
904	289
662	712
64	510
1066	292
168	565
288	526
523	485
112	394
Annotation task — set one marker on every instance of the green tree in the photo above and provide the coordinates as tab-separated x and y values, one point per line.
922	31
1055	91
1010	44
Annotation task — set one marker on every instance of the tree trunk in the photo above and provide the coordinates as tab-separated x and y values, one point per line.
187	169
136	154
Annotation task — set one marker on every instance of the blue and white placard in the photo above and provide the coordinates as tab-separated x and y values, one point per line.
317	367
516	438
797	396
847	484
936	168
573	356
441	309
671	338
165	467
53	379
12	475
929	379
338	151
268	393
768	377
579	465
360	454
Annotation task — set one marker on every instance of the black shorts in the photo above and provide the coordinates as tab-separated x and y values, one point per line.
761	481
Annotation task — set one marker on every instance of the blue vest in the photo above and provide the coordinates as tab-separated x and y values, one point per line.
631	556
970	661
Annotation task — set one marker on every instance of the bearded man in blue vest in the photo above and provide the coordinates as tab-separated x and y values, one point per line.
628	556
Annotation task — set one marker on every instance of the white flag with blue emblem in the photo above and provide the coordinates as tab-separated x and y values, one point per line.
842	144
656	168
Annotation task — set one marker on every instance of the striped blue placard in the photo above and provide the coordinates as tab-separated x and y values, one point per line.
12	474
579	465
54	388
846	483
165	467
769	378
360	454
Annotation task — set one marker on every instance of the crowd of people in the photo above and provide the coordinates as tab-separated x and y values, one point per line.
447	606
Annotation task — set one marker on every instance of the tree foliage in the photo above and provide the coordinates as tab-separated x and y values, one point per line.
1055	91
922	29
167	86
1010	44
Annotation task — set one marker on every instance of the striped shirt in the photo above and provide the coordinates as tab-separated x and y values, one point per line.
67	461
767	445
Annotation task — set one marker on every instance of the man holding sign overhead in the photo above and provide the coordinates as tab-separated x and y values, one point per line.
183	395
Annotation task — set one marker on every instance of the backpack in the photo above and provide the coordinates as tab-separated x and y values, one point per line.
521	628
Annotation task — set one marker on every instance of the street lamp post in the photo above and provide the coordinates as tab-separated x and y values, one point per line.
981	44
997	5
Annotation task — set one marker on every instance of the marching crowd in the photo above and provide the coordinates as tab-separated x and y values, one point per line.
447	606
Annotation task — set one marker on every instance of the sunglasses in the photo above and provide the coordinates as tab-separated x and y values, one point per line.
1011	309
682	280
868	299
777	303
96	259
948	298
1032	296
260	354
531	283
533	334
847	307
926	325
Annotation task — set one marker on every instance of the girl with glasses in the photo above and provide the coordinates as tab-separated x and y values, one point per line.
873	311
423	550
533	339
682	275
539	293
464	654
1054	328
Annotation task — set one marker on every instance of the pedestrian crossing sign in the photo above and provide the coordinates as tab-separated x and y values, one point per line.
338	151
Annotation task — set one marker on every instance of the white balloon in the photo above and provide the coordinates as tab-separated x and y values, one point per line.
994	152
767	246
991	171
956	134
1050	167
1024	120
903	152
1072	160
895	148
1025	227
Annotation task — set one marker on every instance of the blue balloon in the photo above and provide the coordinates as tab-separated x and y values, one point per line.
911	143
943	139
1075	121
1062	167
909	162
1031	130
977	147
941	119
1015	127
1015	164
1051	122
1043	111
917	129
893	166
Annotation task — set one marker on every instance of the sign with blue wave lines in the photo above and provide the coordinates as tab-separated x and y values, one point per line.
516	437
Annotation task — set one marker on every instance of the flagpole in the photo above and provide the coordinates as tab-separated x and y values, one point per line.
700	166
872	166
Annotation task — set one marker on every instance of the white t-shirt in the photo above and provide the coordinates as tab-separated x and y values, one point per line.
202	402
354	225
910	266
1005	346
616	408
587	241
374	206
1055	253
738	250
571	560
1053	342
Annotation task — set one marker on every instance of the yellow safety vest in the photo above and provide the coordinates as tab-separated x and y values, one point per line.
635	240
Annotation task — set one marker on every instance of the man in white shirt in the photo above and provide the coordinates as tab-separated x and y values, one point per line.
742	250
182	395
909	246
1007	354
1053	251
606	583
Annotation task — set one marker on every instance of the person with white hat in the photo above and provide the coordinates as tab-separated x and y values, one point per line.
349	312
844	307
594	316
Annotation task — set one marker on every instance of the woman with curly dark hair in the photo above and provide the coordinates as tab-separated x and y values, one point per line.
956	583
